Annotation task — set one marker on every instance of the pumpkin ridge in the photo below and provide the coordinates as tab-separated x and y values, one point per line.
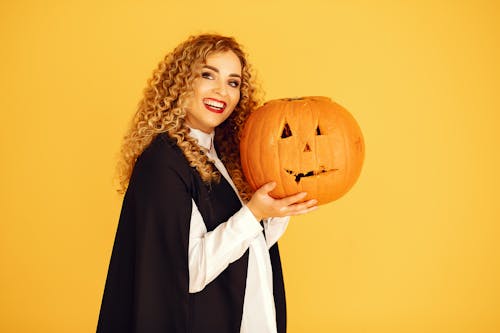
281	122
255	128
315	141
246	165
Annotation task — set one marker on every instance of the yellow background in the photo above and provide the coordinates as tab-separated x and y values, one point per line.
413	247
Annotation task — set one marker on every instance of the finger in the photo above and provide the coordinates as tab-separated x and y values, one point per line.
292	199
297	209
303	211
266	188
308	203
300	206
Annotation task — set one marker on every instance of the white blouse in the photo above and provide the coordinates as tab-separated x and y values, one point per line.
211	252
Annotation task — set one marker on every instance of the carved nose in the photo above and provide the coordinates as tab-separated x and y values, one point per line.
307	148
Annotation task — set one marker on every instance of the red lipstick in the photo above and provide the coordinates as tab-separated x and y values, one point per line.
214	105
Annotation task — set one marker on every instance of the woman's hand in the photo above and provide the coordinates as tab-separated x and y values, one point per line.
262	205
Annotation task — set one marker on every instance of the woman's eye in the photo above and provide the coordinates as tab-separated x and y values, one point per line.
206	75
234	84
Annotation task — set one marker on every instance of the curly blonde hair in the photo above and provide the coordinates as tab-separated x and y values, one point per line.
163	110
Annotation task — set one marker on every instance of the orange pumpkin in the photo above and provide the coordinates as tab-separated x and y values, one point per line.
309	144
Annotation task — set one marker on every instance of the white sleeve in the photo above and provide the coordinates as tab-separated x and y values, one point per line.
274	228
211	252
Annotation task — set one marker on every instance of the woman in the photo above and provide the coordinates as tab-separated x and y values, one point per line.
190	254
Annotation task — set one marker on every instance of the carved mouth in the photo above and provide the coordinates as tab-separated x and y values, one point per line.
299	176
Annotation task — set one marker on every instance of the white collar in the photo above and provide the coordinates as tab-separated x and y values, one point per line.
205	140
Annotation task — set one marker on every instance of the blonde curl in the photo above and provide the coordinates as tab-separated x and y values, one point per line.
163	110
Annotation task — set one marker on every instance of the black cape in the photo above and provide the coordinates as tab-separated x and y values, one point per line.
147	287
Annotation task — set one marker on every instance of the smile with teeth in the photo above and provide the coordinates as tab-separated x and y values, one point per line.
214	105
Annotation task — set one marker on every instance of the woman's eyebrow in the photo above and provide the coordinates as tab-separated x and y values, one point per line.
215	69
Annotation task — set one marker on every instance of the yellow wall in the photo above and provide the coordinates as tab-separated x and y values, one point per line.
412	248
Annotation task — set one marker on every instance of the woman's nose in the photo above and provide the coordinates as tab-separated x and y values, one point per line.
221	88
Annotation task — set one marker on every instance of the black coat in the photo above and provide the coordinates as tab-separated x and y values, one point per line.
147	287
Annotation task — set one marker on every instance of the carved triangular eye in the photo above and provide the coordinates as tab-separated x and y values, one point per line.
286	131
318	132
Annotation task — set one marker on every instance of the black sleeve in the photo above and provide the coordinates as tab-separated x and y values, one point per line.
147	288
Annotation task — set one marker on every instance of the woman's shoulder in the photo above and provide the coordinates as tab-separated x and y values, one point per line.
161	155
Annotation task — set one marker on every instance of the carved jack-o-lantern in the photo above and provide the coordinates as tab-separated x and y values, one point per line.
306	144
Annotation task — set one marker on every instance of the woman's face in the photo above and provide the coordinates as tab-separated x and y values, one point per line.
216	91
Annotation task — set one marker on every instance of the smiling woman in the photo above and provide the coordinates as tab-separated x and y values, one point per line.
217	90
190	254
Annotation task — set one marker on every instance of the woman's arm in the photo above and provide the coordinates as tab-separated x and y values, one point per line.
274	228
211	252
